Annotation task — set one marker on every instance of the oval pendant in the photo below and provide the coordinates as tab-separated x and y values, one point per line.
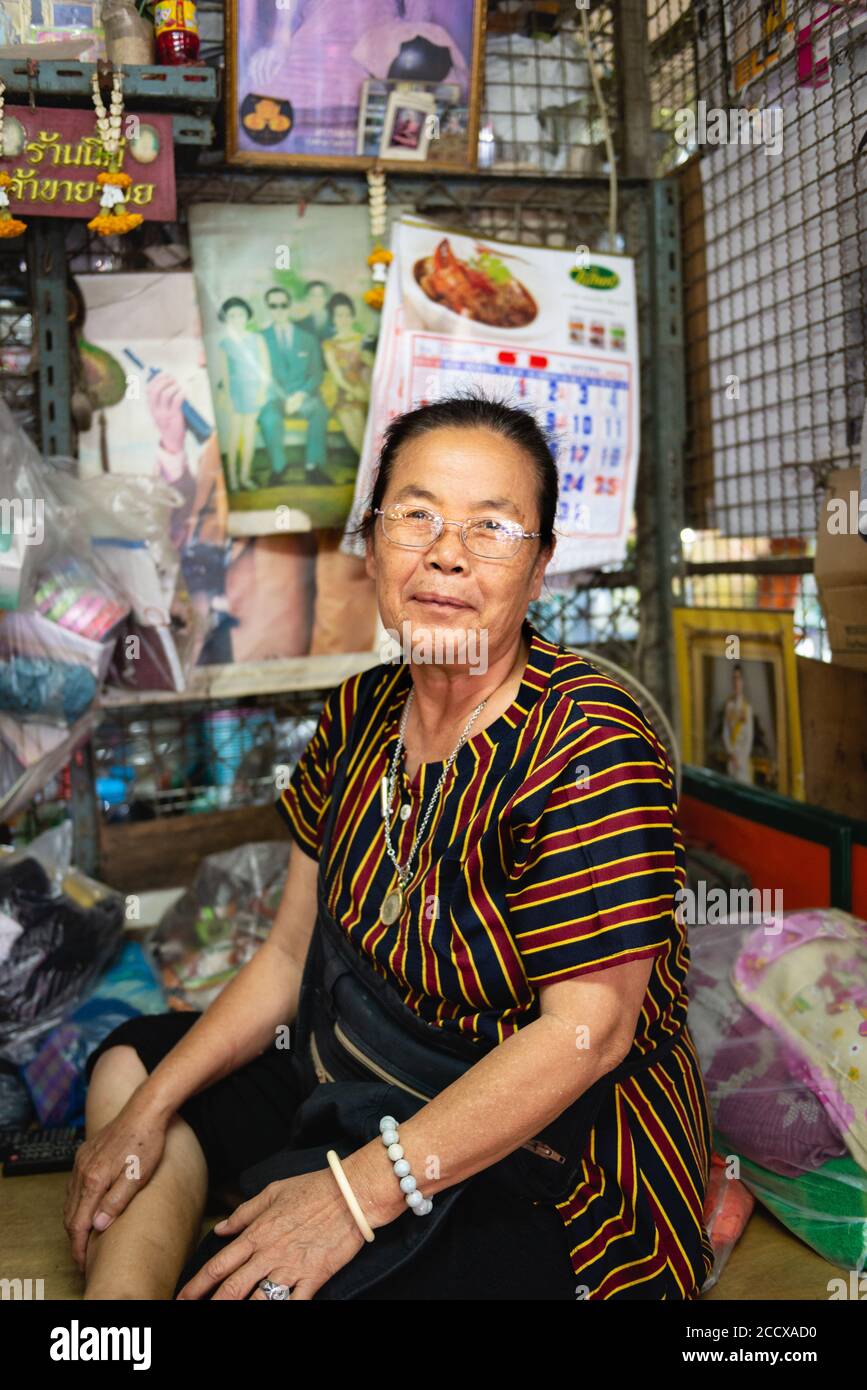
392	906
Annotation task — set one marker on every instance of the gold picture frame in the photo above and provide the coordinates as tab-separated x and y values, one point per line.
271	119
738	689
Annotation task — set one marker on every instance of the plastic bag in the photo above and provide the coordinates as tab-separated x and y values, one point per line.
129	519
768	1114
56	644
775	1091
728	1207
56	1076
25	541
68	935
52	851
48	673
220	921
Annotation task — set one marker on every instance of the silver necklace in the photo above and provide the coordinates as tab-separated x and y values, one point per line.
393	902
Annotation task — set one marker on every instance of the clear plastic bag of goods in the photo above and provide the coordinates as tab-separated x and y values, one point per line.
220	922
62	929
778	1014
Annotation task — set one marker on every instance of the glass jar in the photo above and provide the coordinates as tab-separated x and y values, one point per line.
129	38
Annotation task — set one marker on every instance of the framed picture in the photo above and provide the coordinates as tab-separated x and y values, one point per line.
410	122
448	126
308	83
290	346
739	696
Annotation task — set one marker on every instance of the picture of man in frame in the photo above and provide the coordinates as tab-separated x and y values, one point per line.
296	375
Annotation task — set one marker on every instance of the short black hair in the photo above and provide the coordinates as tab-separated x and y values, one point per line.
276	289
340	298
234	303
470	410
312	284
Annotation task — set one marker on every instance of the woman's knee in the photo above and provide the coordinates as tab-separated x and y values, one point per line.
124	1045
117	1063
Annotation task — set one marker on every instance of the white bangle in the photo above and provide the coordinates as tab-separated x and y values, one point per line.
361	1220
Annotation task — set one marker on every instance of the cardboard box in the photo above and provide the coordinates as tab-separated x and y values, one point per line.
834	736
841	570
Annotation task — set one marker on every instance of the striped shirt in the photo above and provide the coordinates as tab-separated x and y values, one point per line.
552	852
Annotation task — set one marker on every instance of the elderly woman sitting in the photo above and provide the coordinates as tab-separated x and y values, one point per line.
489	1090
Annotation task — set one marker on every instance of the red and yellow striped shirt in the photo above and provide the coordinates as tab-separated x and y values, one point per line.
552	852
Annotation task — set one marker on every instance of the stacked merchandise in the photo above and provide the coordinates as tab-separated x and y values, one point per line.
778	1013
82	565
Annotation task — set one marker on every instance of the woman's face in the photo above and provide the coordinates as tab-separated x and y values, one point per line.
236	318
342	318
460	473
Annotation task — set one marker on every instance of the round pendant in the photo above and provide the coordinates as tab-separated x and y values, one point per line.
392	906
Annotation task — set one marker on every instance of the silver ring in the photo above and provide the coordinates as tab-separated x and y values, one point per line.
272	1290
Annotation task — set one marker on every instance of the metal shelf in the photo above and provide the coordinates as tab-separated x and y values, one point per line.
196	88
52	77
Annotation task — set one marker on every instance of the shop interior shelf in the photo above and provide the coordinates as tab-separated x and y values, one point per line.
187	86
275	677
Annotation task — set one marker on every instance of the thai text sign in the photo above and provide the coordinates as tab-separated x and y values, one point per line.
54	157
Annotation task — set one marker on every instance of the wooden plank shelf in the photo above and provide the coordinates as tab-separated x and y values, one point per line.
232	682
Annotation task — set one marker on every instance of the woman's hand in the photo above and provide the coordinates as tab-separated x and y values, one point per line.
297	1232
109	1170
166	401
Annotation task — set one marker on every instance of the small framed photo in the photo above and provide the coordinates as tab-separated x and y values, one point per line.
738	687
448	130
410	123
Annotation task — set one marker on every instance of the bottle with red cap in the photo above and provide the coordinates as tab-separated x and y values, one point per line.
177	32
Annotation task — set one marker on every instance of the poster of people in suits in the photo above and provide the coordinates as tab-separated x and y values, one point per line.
290	345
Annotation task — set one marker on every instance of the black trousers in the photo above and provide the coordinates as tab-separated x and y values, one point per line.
492	1247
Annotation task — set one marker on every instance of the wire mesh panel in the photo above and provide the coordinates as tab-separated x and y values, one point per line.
17	362
540	113
767	103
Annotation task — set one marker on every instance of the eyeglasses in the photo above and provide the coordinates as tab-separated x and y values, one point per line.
417	528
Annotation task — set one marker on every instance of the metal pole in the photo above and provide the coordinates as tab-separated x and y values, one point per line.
659	504
49	299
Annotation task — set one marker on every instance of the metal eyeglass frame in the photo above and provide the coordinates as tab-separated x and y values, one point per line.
519	533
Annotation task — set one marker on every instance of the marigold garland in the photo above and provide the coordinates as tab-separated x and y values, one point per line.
379	260
113	219
9	226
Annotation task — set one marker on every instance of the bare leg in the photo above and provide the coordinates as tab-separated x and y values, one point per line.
145	1248
248	449
351	419
235	427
